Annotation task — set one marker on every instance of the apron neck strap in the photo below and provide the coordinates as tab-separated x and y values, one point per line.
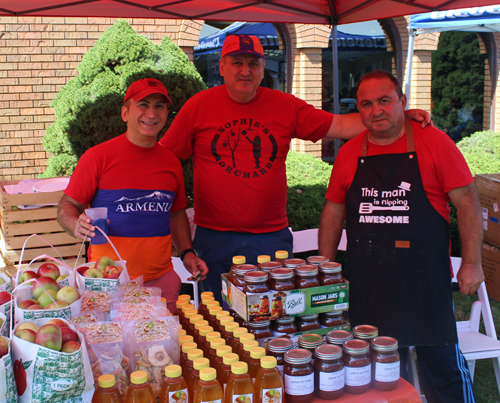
410	140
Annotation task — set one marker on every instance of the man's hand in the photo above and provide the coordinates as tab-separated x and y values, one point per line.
70	216
419	115
197	267
470	277
82	227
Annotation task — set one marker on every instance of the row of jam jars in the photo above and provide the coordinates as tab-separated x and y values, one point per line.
277	348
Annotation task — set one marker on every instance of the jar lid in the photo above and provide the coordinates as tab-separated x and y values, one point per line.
330	267
383	343
208	374
292	263
263	258
239	259
328	352
244	268
365	332
338	336
279	345
281	254
333	314
223	350
212	303
229	358
310	340
260	324
316	260
257	352
108	380
298	356
306	270
281	274
200	363
356	347
256	277
173	371
268	266
285	320
309	317
138	377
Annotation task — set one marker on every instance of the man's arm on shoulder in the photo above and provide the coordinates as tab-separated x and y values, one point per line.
70	216
466	200
330	229
350	125
181	238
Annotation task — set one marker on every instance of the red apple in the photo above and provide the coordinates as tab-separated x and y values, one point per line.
57	305
111	272
47	282
68	294
49	270
59	322
70	347
27	275
35	307
4	346
27	325
92	273
26	334
49	336
47	297
26	304
4	297
69	334
104	261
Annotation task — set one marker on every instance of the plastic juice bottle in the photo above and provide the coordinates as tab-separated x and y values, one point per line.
243	338
227	333
210	336
206	311
212	352
218	316
224	321
256	354
174	386
239	385
187	315
221	352
178	307
197	325
268	382
249	344
203	305
139	390
107	392
202	339
212	310
206	294
208	388
190	327
192	355
281	256
198	364
227	360
235	341
186	348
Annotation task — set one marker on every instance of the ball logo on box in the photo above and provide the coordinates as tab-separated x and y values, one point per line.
295	303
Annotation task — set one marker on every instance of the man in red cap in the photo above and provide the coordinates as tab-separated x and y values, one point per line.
141	184
240	185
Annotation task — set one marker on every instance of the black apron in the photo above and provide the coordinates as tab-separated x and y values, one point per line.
398	252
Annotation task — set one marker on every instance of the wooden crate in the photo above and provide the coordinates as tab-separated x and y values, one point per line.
16	225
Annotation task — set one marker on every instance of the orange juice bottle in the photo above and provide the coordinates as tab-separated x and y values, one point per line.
209	337
212	352
241	341
202	308
236	344
197	325
268	382
239	385
212	310
227	333
190	327
256	353
227	360
106	391
249	344
198	364
221	351
139	390
174	386
218	316
185	349
192	355
202	339
208	388
188	313
178	308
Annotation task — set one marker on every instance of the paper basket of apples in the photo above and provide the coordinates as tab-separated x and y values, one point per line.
103	275
8	391
61	274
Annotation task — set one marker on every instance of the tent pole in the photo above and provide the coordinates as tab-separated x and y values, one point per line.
335	61
409	65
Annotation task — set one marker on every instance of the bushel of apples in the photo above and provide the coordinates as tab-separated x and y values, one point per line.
104	267
55	335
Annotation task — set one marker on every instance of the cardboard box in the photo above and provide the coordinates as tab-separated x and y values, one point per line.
491	269
305	301
488	187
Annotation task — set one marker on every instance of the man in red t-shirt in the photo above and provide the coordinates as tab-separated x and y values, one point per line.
239	136
391	185
141	184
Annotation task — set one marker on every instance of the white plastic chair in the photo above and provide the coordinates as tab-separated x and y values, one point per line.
307	240
184	274
474	345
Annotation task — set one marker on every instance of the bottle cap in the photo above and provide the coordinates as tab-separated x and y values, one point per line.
187	347
195	318
249	344
219	315
281	254
194	354
200	323
239	259
186	307
257	352
200	363
190	312
268	362
204	330
162	299
214	309
181	303
263	258
183	332
186	297
206	294
106	381
173	371
138	377
214	343
207	298
239	367
239	331
208	374
212	302
246	336
226	319
186	339
212	335
229	358
223	350
231	327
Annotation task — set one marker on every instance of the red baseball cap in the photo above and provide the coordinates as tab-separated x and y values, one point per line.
140	89
241	44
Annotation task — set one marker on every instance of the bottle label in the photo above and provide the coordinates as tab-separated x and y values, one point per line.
299	385
272	395
331	381
387	372
179	396
248	398
358	376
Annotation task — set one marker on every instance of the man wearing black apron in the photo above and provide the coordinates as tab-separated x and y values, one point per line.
391	185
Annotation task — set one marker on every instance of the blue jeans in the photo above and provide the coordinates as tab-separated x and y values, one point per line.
217	249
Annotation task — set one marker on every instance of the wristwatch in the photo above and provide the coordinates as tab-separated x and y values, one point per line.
185	252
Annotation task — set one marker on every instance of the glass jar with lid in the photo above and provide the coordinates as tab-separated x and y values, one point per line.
306	323
331	319
261	329
316	260
330	273
239	274
357	366
365	332
310	341
268	266
281	279
255	282
282	326
385	363
299	376
281	256
306	276
338	337
329	376
237	261
277	348
293	263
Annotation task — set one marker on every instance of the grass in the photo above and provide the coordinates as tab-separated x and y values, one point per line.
485	385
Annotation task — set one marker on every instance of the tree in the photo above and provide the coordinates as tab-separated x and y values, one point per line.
88	107
458	84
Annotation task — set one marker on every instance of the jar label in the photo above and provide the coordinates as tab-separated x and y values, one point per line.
179	396
387	372
358	376
299	385
248	398
331	381
272	395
